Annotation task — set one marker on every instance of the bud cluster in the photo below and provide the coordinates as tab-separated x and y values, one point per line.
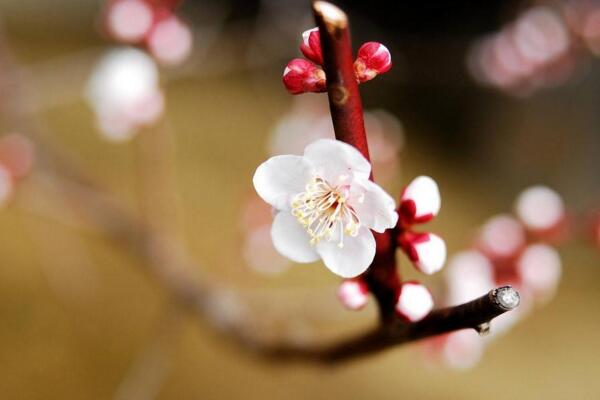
419	203
301	76
152	24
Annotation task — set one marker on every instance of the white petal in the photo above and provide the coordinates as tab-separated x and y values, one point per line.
375	208
414	302
291	239
279	178
335	160
353	258
425	194
431	253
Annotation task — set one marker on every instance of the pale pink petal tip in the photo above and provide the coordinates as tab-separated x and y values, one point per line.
353	294
129	20
414	302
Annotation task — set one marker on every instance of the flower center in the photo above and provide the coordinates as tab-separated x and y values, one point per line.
324	212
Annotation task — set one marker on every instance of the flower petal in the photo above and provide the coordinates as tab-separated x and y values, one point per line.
334	160
353	258
375	208
279	178
291	239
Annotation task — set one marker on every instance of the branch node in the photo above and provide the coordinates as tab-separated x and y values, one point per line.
483	329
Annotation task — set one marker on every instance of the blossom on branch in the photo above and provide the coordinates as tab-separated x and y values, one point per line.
327	206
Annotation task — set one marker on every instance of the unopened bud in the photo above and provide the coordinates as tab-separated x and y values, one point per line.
373	59
427	251
414	302
311	45
353	294
420	201
301	76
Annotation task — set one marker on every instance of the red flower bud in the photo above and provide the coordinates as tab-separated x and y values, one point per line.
427	251
311	45
302	76
373	59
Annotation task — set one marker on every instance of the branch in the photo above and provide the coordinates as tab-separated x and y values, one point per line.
475	314
348	122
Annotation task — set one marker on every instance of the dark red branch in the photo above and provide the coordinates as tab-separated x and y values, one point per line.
342	88
473	314
347	115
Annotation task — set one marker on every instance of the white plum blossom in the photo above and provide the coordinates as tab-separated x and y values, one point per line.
124	93
326	206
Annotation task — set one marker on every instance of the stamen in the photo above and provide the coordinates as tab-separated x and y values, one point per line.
322	209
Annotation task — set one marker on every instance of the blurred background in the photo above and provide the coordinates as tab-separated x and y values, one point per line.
165	108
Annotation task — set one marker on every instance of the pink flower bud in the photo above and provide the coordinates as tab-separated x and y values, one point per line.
540	208
129	20
311	45
420	201
353	294
373	59
426	250
414	302
302	76
540	268
502	237
170	41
